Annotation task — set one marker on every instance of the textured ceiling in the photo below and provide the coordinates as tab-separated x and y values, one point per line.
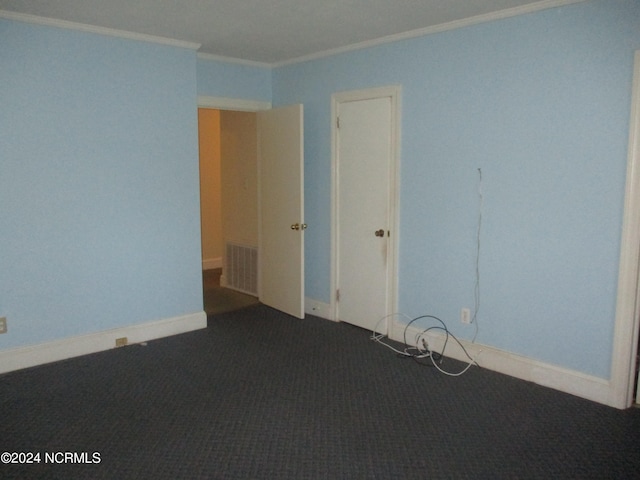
270	31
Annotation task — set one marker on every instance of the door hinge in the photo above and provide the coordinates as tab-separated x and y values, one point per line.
337	122
337	295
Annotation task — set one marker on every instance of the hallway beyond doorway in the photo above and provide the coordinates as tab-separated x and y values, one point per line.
219	299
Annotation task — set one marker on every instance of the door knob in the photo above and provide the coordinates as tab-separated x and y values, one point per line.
379	233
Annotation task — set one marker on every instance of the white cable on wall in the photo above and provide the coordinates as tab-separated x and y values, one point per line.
422	350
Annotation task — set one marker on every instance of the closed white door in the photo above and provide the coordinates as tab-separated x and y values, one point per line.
281	196
364	177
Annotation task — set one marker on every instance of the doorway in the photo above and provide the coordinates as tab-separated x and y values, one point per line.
228	193
246	231
365	195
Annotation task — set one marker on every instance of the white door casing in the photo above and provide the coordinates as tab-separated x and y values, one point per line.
625	341
365	198
281	197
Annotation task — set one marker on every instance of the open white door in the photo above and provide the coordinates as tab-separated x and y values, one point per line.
281	196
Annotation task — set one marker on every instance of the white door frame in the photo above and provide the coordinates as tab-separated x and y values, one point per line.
625	335
393	92
242	105
238	105
234	104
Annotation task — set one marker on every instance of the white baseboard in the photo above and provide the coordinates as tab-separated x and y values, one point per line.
211	263
565	380
33	355
318	309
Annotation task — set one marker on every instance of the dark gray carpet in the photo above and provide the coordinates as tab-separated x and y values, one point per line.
260	395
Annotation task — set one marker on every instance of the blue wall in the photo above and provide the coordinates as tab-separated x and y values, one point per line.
99	207
99	186
540	103
233	80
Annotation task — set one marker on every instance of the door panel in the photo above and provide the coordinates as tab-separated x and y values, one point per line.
364	149
281	258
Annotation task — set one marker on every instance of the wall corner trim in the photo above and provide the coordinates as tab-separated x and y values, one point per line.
625	335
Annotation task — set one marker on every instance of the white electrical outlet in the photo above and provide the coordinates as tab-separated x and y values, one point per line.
465	316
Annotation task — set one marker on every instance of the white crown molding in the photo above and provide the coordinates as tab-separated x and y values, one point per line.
238	61
52	22
489	17
443	27
235	104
